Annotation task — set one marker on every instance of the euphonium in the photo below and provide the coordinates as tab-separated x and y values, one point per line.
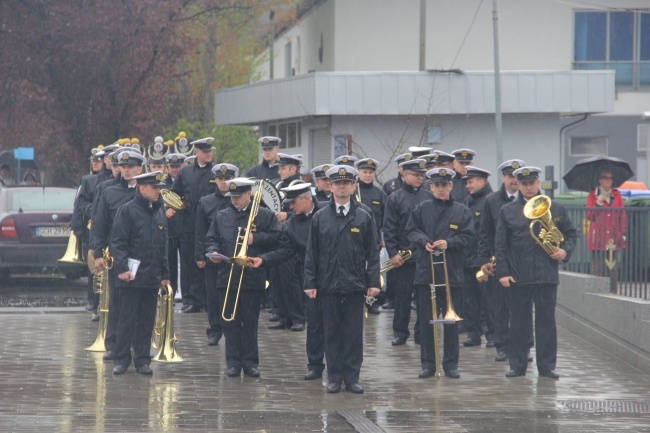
481	276
163	337
172	199
73	253
386	265
100	285
549	237
240	256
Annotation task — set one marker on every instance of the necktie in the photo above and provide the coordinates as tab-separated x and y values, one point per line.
511	198
341	209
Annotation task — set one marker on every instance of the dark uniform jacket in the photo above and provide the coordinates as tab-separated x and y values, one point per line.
205	213
140	232
476	203
435	220
222	237
393	185
175	223
110	201
322	198
342	253
396	214
99	190
192	183
283	184
491	208
375	198
83	204
517	253
264	171
459	192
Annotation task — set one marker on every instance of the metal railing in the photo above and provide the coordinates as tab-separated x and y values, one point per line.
616	238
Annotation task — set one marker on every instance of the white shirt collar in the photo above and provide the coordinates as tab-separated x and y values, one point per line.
346	207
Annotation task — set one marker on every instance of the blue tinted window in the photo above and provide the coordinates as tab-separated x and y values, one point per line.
644	36
590	36
621	35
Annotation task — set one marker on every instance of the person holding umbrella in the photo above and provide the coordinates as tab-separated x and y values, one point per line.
605	225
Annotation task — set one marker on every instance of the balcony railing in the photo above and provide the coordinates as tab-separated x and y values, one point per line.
634	75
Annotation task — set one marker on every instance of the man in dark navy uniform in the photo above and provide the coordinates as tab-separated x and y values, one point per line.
396	183
531	275
341	267
323	184
439	224
174	161
462	159
205	215
398	209
268	168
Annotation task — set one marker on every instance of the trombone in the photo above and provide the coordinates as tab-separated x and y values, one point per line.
240	256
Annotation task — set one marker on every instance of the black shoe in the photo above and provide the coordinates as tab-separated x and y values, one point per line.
233	372
501	356
529	357
333	388
213	340
278	325
490	343
252	372
454	374
193	309
313	375
513	373
274	317
427	372
354	388
107	356
388	305
472	342
144	369
398	341
373	309
95	318
551	374
297	327
90	307
120	369
185	306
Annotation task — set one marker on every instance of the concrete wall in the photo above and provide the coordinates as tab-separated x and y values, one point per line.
617	324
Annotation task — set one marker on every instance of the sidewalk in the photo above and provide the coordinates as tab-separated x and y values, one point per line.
50	384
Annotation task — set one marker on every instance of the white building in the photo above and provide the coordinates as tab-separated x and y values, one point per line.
353	75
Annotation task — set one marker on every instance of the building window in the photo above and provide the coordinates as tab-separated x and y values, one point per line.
614	40
289	132
588	146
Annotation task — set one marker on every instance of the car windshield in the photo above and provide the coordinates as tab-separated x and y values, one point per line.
41	200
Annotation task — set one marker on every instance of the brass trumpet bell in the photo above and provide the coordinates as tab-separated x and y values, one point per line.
172	199
549	236
163	337
73	254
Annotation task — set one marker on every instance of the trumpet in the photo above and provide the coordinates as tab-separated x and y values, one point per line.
240	256
481	276
549	237
163	337
386	265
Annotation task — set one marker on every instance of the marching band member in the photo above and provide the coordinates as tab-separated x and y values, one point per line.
174	161
268	168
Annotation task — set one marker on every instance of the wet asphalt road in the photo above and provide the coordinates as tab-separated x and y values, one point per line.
42	291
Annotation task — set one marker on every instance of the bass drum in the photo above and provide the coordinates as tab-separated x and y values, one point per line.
270	195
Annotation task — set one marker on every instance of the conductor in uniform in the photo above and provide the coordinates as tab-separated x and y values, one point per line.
140	233
530	275
341	268
241	332
439	224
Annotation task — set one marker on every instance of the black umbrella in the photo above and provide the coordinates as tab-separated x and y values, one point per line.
584	175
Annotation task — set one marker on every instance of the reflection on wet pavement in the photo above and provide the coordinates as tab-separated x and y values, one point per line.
49	383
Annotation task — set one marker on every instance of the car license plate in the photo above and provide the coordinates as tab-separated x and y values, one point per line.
53	232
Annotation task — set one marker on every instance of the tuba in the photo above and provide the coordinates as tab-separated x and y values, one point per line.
240	256
163	337
549	237
100	285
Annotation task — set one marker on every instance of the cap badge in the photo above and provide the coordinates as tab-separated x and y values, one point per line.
342	172
463	154
209	141
325	168
442	172
421	164
175	158
223	169
515	165
345	159
408	158
370	162
525	172
160	177
436	155
265	141
233	186
125	156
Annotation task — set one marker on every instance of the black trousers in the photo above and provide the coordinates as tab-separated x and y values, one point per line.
521	299
402	280
475	303
500	313
137	317
241	333
450	332
291	298
192	285
315	336
173	251
113	312
213	304
343	326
